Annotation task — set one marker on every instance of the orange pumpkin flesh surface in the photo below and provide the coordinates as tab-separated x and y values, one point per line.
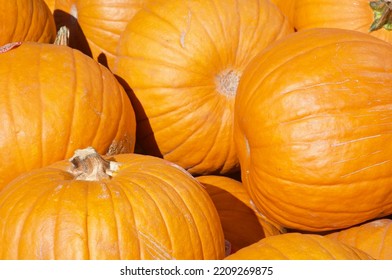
182	61
297	246
26	20
96	25
374	238
241	224
127	206
354	15
313	131
53	100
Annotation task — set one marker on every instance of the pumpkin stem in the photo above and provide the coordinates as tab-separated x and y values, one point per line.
62	37
227	82
88	165
382	10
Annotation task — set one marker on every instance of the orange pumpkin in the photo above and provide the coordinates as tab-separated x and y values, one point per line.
241	224
53	100
127	206
374	238
181	62
96	25
26	20
313	131
298	246
287	7
360	15
50	4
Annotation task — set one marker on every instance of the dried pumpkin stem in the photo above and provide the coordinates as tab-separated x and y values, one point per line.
88	165
62	37
382	10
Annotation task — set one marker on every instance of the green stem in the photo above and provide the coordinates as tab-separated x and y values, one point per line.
382	10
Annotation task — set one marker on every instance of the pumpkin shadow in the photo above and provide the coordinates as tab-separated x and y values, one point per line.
145	140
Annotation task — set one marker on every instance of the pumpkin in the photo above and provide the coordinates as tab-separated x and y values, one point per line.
287	7
313	132
126	206
298	246
241	224
53	100
181	62
50	4
26	20
364	16
95	25
373	237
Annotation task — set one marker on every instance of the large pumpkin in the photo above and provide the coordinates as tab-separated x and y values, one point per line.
53	100
374	238
96	25
313	129
182	61
127	206
26	20
360	15
298	246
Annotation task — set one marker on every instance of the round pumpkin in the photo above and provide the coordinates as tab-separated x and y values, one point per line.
241	224
374	238
364	16
313	132
126	206
53	100
26	20
298	246
96	25
181	62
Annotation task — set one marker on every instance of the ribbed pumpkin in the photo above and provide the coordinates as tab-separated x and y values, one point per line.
96	25
298	246
241	224
360	15
182	61
127	206
26	20
53	100
313	129
374	238
287	7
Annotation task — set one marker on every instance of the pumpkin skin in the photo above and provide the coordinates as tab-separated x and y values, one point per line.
312	129
95	25
287	7
188	57
374	238
26	20
354	15
298	246
147	209
53	100
50	4
241	224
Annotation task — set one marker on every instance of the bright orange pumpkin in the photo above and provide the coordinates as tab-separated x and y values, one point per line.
96	25
374	238
313	129
26	20
287	7
50	4
360	15
182	61
298	246
126	206
53	100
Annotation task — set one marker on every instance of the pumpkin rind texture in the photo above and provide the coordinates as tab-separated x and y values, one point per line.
313	130
148	209
26	20
53	100
298	246
181	62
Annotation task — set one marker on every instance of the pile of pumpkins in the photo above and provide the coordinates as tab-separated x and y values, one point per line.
203	130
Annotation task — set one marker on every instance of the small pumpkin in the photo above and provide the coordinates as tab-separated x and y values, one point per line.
242	226
53	100
364	16
26	20
373	237
298	246
126	206
181	62
312	129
